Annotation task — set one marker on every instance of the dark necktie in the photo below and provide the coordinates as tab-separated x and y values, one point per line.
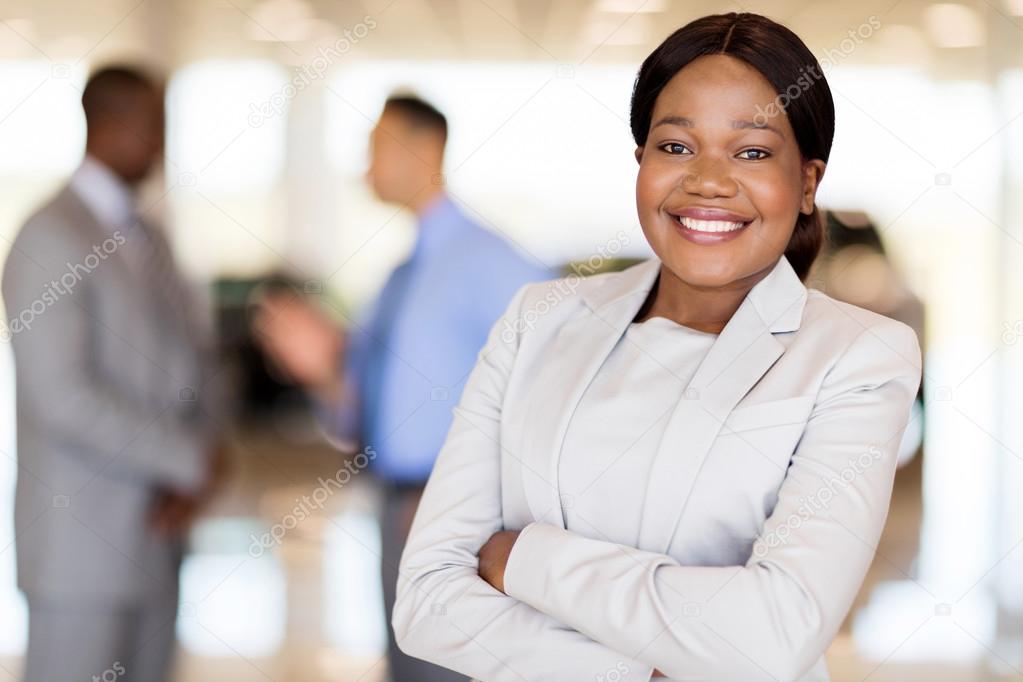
156	264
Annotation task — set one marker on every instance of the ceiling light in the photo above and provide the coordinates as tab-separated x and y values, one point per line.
954	25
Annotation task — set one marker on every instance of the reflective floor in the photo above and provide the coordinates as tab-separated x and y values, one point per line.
282	584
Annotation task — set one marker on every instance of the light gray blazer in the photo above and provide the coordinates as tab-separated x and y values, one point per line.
114	398
760	519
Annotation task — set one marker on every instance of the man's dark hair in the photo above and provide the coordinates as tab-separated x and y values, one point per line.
419	113
109	91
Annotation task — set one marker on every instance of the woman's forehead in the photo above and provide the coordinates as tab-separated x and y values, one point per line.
715	90
720	75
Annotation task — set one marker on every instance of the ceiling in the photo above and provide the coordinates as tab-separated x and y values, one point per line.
952	39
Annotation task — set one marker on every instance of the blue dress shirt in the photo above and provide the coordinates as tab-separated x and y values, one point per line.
411	357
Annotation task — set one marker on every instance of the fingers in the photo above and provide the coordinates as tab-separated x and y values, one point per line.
172	514
301	342
271	317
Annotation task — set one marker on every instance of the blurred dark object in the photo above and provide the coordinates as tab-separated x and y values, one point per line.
260	392
595	266
850	228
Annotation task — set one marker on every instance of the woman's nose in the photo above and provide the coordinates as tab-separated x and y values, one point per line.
709	177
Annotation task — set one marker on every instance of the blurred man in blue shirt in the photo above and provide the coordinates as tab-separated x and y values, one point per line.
392	381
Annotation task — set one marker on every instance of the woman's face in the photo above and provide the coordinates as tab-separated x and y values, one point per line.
721	179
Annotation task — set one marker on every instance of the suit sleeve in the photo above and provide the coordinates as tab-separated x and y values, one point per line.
773	617
444	612
59	387
217	402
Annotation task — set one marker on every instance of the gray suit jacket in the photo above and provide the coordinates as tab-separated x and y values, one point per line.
116	397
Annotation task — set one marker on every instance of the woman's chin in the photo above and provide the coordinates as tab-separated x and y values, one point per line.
703	272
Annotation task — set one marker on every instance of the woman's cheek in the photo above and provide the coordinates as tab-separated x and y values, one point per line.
646	200
654	184
777	205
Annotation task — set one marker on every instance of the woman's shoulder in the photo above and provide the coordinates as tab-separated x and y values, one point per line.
823	310
540	310
583	284
840	326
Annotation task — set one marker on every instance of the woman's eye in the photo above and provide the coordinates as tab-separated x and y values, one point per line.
754	154
674	148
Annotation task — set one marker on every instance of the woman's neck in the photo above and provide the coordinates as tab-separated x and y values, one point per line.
706	309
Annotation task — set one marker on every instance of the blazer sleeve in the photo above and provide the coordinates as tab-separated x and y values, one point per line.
59	388
444	612
773	617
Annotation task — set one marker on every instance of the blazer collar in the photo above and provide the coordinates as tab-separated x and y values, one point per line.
743	352
778	298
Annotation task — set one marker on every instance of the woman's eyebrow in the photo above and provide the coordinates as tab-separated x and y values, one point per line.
738	125
757	125
673	121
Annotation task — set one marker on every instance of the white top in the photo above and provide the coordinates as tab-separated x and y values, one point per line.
109	199
625	410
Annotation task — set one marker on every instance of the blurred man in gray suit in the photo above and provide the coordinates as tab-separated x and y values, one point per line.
117	405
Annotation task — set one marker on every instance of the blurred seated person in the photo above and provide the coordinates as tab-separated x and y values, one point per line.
855	267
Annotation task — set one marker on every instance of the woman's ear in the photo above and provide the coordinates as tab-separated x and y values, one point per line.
639	154
813	171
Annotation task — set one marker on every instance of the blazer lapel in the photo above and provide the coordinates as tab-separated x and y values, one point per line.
579	350
84	219
743	352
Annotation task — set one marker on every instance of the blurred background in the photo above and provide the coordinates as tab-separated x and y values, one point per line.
269	108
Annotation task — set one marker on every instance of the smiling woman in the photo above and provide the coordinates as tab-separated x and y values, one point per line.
679	471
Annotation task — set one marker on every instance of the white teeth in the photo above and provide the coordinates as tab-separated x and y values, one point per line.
709	225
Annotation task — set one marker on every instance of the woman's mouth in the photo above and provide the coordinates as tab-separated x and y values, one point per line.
702	231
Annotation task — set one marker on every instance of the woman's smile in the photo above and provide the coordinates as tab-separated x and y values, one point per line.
702	225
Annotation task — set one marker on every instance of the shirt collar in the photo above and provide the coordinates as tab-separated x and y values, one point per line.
106	196
440	221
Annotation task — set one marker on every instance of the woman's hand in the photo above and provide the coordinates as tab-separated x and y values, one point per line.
493	557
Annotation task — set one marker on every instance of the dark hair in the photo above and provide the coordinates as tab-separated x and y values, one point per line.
419	113
108	89
787	64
